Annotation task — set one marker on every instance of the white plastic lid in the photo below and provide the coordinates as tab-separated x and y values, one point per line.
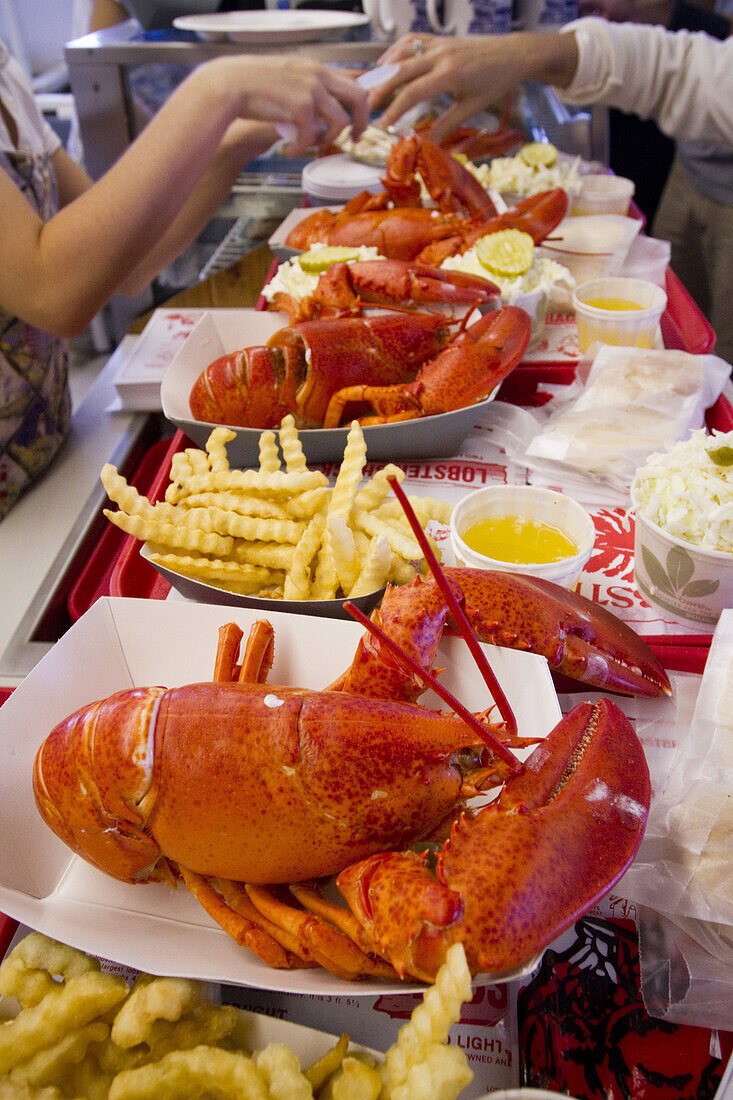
340	177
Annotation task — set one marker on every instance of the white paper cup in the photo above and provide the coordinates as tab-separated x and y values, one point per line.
525	502
603	194
628	328
590	247
682	581
535	302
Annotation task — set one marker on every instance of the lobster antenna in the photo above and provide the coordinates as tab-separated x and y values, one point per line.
459	615
403	658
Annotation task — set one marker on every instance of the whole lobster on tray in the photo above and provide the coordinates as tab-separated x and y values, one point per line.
348	288
401	365
151	784
396	222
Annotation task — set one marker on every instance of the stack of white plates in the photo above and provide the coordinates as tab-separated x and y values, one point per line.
339	178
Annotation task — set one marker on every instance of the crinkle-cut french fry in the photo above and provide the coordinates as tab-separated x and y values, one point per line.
149	1000
87	1079
406	547
215	569
431	1020
425	508
223	522
49	1066
245	504
355	1080
374	572
268	455
297	583
349	475
216	448
273	555
401	571
185	538
306	504
73	1004
21	1090
362	542
441	1075
378	487
199	460
204	1025
325	577
275	593
180	472
344	552
124	495
281	1070
290	444
328	1063
277	482
27	971
201	1071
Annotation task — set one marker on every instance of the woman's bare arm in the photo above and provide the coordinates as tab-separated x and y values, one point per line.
118	232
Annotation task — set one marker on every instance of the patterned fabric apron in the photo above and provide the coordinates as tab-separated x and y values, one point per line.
35	406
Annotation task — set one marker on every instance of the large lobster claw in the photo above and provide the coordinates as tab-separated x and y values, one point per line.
512	879
578	637
467	371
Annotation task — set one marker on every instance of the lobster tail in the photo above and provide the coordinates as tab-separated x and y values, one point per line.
253	388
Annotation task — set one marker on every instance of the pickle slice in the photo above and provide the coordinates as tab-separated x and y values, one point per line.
721	455
318	260
538	154
509	252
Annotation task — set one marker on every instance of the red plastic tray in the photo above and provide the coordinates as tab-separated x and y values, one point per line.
131	575
8	926
94	580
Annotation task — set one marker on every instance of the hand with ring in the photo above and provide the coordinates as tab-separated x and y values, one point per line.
476	71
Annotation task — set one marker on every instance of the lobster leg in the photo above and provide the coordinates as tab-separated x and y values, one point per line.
320	940
466	372
501	885
240	926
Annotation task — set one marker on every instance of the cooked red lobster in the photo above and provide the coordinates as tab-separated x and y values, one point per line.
351	287
152	783
401	365
401	228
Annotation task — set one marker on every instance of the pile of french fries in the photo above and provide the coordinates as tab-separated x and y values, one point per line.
81	1032
279	531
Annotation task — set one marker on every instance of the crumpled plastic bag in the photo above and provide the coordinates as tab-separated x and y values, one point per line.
684	868
625	404
686	969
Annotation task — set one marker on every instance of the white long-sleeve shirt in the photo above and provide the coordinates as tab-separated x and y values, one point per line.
683	80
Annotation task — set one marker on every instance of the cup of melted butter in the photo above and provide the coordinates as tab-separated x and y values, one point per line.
520	529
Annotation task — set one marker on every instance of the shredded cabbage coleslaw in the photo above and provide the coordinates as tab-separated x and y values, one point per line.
687	493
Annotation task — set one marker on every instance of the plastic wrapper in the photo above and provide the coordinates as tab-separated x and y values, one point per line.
686	969
648	258
625	404
684	868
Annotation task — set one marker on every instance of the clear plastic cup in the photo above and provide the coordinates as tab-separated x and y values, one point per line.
528	503
609	324
603	194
